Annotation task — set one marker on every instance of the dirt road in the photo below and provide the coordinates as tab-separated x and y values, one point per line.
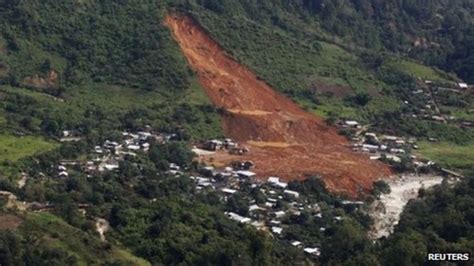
284	140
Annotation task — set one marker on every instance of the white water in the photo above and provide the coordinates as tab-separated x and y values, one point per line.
386	210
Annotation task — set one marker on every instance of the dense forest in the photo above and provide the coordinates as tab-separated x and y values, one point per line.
97	68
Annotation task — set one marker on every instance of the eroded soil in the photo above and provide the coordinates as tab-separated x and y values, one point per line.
284	140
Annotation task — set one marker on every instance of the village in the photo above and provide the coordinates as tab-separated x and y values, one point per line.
432	101
388	148
429	102
266	203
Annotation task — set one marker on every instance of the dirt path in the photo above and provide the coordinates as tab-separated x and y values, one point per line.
258	116
102	226
22	181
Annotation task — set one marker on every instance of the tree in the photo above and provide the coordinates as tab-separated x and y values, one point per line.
380	187
10	248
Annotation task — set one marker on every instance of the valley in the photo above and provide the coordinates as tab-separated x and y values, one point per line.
235	132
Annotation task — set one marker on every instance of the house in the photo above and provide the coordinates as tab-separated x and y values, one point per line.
371	137
352	124
174	166
312	251
279	214
237	150
228	190
111	166
203	181
348	202
98	149
245	174
369	147
397	151
277	230
146	146
462	85
230	144
296	243
400	142
143	135
438	119
133	147
238	165
467	124
207	171
255	207
270	204
291	193
258	225
390	138
275	181
272	200
213	145
393	158
63	174
238	218
110	144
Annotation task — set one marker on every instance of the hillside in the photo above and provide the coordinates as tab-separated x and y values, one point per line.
40	237
436	32
284	140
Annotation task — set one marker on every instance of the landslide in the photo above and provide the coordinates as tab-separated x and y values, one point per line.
259	117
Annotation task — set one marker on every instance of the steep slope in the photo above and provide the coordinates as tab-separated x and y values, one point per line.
284	139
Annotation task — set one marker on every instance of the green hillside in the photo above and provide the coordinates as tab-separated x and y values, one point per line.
98	68
44	237
130	68
436	32
14	148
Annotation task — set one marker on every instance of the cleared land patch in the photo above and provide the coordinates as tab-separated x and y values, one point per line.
449	154
9	222
14	148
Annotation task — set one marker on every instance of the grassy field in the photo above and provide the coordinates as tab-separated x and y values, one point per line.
2	120
460	113
417	70
448	154
14	148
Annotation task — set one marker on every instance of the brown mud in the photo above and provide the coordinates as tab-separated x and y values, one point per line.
284	140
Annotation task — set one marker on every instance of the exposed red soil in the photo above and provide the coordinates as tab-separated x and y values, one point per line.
9	222
284	140
42	83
